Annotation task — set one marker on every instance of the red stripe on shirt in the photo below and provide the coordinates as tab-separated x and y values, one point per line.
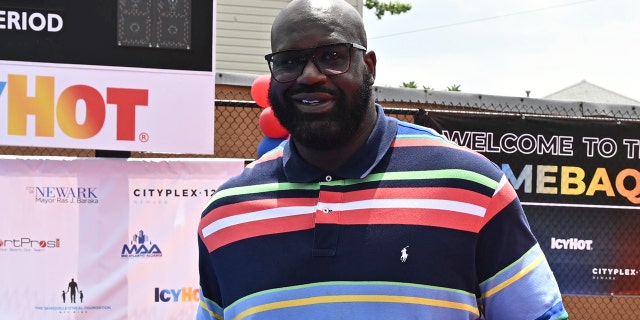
500	200
257	228
439	193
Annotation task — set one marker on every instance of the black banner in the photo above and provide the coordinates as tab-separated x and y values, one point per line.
579	184
162	34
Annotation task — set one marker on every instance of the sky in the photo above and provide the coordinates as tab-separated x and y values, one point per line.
506	47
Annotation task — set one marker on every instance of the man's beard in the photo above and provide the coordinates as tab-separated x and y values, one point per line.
326	131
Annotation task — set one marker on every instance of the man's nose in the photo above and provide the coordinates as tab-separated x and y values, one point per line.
311	74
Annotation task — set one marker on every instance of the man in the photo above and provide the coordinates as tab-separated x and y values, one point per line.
72	287
358	215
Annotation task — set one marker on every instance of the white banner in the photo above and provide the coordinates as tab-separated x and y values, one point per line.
103	238
107	108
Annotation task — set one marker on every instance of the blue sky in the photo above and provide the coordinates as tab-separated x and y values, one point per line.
505	47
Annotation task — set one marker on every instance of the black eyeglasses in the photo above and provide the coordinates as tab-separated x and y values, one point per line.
330	59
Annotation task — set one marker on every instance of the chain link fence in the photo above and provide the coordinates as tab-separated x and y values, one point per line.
237	135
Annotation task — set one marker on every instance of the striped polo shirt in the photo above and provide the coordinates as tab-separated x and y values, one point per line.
413	226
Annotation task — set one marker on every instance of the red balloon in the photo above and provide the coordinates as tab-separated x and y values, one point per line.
270	125
260	90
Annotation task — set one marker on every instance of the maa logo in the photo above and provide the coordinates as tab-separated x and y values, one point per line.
140	246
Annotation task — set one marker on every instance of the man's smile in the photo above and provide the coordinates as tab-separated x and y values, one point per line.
315	102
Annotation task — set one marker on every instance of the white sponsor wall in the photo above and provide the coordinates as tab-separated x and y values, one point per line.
119	233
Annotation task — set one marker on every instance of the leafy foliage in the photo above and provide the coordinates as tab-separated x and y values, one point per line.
393	7
410	84
414	85
455	87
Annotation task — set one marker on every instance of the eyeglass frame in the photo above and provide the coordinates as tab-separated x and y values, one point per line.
312	57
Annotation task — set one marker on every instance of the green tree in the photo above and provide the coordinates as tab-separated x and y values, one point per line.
411	84
455	87
393	7
414	85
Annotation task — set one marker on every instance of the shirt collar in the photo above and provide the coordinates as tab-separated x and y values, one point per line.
358	166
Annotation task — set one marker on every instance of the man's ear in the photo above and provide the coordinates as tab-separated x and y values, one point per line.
370	60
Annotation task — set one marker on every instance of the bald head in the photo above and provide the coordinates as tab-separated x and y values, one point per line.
337	20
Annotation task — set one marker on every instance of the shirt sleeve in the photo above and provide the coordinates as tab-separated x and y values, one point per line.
516	281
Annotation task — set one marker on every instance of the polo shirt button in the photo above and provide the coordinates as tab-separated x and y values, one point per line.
326	210
328	178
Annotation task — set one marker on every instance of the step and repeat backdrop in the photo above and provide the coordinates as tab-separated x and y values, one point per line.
103	238
579	183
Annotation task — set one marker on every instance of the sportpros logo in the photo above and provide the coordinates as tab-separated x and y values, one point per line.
27	244
79	110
